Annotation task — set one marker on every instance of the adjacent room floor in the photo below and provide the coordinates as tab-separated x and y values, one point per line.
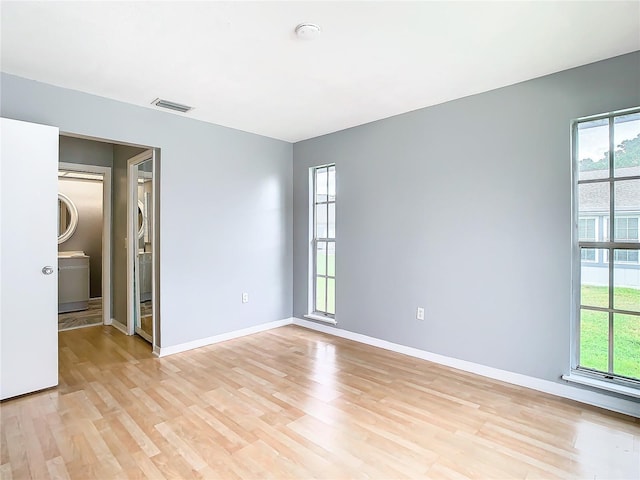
84	318
294	403
93	316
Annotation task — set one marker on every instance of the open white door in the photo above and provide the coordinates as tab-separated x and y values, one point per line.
28	257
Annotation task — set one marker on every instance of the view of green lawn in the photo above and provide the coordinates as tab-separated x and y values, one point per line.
325	264
594	331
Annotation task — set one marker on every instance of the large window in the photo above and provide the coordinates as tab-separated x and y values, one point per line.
323	242
607	335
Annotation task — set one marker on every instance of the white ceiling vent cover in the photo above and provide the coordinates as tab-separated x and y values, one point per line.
178	107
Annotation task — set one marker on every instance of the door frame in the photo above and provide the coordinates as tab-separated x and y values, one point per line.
106	230
132	241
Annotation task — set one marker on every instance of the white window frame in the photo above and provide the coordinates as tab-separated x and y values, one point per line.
314	312
607	244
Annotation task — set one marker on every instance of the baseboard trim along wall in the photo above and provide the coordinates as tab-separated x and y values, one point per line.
203	342
119	326
620	405
602	400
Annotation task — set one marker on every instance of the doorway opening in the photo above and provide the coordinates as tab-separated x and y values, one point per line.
84	245
95	283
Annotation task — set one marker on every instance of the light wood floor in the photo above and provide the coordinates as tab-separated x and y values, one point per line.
293	403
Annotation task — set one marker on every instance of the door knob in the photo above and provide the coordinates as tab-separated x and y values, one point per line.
47	270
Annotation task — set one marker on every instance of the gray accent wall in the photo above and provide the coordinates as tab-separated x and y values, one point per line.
225	207
463	208
85	152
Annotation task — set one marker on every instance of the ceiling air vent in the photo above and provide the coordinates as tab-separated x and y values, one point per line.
178	107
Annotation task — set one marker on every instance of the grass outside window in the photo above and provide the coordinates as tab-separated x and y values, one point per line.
594	328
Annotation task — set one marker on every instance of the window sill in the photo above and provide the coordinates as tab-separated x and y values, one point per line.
602	385
320	318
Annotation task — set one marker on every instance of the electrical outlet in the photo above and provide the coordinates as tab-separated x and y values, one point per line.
245	297
420	313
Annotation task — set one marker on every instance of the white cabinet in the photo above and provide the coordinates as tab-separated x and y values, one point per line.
73	283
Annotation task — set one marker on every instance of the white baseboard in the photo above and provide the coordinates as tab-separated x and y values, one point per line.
616	404
183	347
119	326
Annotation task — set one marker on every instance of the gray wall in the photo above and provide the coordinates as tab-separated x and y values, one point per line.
85	152
463	208
87	197
225	207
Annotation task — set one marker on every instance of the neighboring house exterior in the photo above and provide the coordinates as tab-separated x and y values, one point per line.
594	225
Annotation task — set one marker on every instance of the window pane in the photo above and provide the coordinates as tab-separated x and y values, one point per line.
626	256
593	148
627	200
594	279
594	340
320	294
332	183
626	136
321	185
331	296
321	221
587	229
332	220
626	282
331	269
593	199
588	255
626	345
321	258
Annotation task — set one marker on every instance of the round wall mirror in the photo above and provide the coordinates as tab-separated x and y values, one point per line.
141	217
67	218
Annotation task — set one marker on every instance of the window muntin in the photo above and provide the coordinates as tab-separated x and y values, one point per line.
607	335
323	242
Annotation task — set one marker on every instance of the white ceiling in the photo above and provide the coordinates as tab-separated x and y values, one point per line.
240	64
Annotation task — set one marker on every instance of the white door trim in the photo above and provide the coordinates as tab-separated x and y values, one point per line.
132	240
106	230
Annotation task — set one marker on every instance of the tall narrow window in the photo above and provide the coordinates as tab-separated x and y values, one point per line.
323	244
607	156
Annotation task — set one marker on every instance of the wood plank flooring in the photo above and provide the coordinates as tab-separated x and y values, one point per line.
294	403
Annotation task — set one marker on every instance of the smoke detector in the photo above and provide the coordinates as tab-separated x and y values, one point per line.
308	31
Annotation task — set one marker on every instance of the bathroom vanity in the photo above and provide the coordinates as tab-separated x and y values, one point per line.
73	282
